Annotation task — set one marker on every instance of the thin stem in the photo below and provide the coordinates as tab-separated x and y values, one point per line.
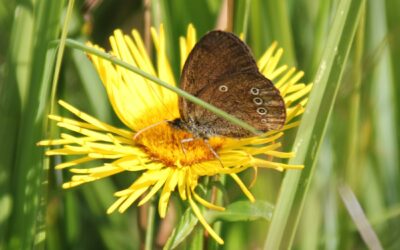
359	218
229	12
218	199
197	242
116	61
60	54
246	18
353	166
150	226
147	25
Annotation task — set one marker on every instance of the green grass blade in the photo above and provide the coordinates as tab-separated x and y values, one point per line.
26	228
269	21
384	111
10	108
182	230
241	17
243	211
313	126
279	24
60	54
393	20
321	29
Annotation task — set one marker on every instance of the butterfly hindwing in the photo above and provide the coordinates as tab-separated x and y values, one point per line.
250	97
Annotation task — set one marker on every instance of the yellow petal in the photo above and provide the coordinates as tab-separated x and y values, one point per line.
161	181
73	162
131	199
203	221
166	193
243	187
206	203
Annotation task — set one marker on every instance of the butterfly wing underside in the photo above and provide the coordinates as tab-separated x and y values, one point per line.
222	59
215	56
250	97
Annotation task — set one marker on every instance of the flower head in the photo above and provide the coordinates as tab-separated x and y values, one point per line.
157	153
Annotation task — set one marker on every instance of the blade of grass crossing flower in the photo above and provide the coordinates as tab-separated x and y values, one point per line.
156	80
28	184
310	134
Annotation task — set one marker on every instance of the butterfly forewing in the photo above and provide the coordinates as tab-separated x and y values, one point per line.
217	55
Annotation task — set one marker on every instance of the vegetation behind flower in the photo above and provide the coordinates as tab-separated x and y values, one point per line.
360	146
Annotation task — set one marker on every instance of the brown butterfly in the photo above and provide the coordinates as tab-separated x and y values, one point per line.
221	71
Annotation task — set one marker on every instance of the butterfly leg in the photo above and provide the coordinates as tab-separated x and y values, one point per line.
213	151
205	142
186	140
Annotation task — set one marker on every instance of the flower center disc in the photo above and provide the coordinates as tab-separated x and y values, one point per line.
168	145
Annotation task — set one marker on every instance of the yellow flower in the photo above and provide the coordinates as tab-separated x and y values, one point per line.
157	153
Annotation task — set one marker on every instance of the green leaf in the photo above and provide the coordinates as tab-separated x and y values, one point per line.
185	226
236	211
313	126
242	211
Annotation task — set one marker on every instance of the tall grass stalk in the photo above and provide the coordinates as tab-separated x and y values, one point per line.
313	126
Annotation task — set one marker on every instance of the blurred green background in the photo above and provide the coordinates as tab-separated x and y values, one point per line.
359	150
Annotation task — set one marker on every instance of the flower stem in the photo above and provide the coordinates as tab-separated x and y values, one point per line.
218	199
150	226
197	242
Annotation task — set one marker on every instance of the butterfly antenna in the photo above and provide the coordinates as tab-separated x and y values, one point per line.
148	127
